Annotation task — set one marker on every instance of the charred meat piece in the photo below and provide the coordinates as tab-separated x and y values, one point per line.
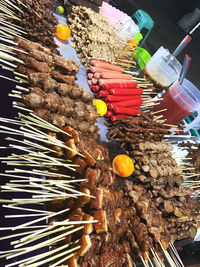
24	70
37	78
50	84
68	79
44	114
64	89
26	45
35	64
52	101
33	100
67	64
59	120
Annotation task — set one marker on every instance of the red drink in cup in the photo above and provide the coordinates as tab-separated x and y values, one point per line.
180	100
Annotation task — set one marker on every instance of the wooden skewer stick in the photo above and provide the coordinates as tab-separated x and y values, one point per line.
22	88
12	26
8	63
167	255
40	219
22	215
45	243
188	169
37	172
60	255
2	19
143	261
176	253
39	236
74	222
12	5
52	126
27	209
40	256
156	112
9	57
21	108
17	235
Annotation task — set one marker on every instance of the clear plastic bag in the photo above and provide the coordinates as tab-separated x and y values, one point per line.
126	28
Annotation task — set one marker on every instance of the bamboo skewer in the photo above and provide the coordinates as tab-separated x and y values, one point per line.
45	243
42	255
41	219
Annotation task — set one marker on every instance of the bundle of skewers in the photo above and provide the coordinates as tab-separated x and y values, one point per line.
47	86
89	216
33	20
93	37
122	96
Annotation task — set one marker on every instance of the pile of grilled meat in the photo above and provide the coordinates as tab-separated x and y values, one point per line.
92	4
53	94
38	22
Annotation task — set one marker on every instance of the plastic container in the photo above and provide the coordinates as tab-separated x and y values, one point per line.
162	70
180	100
142	57
189	120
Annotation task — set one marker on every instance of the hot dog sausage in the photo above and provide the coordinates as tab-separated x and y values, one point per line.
112	75
97	75
105	65
109	113
106	81
90	76
119	85
130	91
117	98
94	81
100	70
95	88
103	93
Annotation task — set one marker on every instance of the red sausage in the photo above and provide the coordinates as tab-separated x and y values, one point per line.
100	70
95	88
90	76
105	81
112	75
130	102
103	93
130	91
119	85
97	75
117	117
105	65
116	98
109	113
112	106
128	111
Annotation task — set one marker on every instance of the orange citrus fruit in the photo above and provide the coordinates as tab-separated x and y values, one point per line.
63	32
123	165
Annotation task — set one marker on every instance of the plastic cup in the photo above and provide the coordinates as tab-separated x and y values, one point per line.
162	70
180	101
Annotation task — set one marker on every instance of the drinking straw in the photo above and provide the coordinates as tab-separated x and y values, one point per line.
184	69
185	41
